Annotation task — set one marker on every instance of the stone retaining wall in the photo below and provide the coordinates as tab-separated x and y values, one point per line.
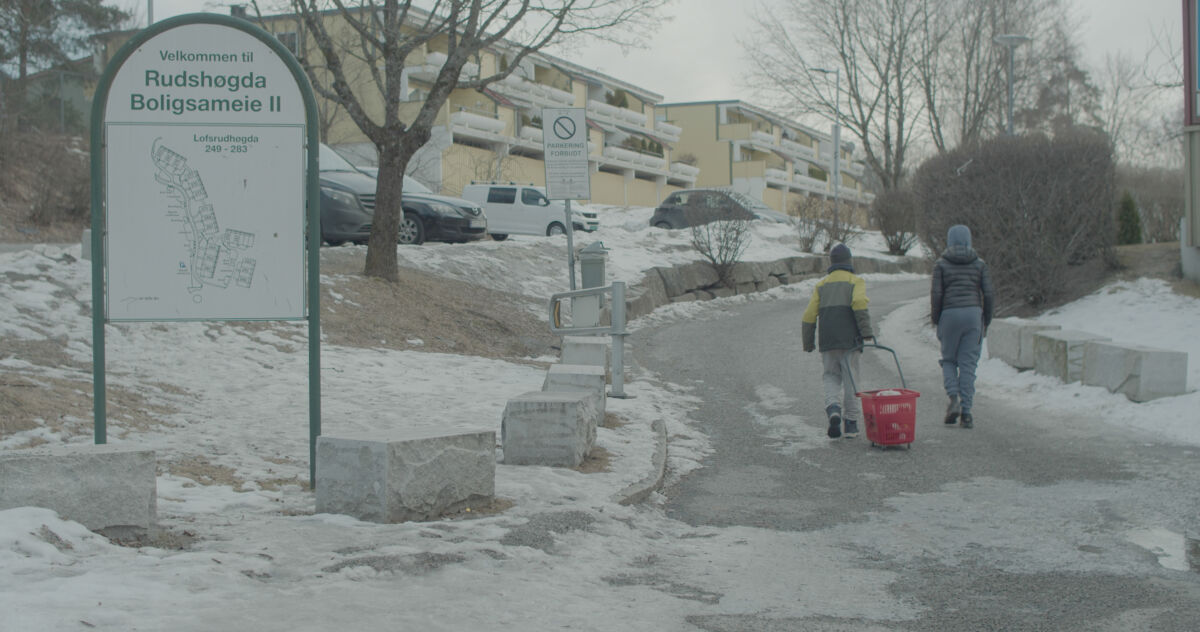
697	281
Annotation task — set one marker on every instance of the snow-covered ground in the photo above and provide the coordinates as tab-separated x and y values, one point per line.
261	560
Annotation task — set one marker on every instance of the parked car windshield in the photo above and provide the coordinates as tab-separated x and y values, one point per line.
333	161
412	186
759	208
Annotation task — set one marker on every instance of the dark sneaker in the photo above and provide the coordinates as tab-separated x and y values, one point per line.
851	429
968	421
835	426
952	410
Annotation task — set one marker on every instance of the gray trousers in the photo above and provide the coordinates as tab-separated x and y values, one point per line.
839	390
960	330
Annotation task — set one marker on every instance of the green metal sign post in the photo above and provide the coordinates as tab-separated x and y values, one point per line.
205	190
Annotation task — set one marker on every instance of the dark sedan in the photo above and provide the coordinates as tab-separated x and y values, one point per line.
348	205
693	207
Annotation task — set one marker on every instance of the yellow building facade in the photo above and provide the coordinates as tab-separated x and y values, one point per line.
640	149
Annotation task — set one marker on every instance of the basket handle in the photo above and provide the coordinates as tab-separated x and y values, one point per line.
859	347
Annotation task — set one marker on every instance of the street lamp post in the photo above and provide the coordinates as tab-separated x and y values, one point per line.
837	134
1012	41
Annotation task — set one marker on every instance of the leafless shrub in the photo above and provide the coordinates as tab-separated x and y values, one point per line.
1159	195
722	243
894	212
61	184
1037	207
46	176
823	224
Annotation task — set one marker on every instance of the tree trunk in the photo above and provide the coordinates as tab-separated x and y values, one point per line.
385	226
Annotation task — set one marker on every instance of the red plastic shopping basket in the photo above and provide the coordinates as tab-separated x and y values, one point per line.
889	414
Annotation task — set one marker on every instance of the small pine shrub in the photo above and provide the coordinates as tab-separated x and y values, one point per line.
1129	221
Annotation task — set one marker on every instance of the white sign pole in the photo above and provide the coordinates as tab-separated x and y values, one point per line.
568	174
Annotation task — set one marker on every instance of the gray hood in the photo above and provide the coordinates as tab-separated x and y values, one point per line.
958	245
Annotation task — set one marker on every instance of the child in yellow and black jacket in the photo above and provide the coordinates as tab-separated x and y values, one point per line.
839	305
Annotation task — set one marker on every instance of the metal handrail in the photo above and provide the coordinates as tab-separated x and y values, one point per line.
616	328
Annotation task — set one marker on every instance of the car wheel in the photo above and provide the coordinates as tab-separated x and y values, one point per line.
663	225
555	229
411	230
499	236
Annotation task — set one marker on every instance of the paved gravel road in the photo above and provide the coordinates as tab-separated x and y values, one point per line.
1027	522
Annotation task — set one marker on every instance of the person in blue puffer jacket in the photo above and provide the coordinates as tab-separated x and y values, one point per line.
961	302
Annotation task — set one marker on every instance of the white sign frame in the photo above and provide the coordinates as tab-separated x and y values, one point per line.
205	182
565	154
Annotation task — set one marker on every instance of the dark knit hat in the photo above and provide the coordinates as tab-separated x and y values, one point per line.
839	254
839	259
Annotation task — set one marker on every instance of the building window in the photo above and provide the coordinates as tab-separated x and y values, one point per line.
288	40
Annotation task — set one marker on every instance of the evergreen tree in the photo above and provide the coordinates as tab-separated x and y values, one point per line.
1129	223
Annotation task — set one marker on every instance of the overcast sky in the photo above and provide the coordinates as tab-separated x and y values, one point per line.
696	56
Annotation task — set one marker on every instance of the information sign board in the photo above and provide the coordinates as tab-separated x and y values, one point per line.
205	180
565	153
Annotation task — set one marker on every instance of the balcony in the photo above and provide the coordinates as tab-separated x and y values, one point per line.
803	152
667	131
621	154
762	138
776	176
809	184
531	134
615	115
428	70
684	170
472	124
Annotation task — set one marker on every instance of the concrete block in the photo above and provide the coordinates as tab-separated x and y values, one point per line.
549	428
405	475
1140	373
1011	340
103	487
589	350
1059	353
578	377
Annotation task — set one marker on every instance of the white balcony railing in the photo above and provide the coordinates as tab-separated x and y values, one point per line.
603	109
666	129
796	149
633	118
615	114
762	138
809	183
531	134
777	175
474	121
654	162
685	170
621	154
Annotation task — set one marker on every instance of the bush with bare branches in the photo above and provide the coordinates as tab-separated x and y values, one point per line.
721	242
894	212
822	225
47	174
1037	208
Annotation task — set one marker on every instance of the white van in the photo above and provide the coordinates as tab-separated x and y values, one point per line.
523	209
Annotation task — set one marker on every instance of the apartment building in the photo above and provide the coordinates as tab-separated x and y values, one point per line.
640	149
764	155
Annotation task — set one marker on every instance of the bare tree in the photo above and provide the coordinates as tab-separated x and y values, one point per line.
963	70
875	45
722	243
380	35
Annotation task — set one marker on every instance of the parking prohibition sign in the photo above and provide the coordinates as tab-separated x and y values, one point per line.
565	149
